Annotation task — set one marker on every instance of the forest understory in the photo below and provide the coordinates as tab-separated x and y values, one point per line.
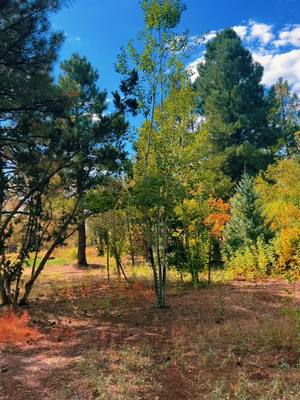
97	341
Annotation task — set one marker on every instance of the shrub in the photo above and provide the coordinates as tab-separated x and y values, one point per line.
14	329
253	261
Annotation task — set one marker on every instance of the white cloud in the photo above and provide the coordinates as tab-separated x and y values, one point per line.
210	35
192	68
285	65
296	88
279	55
241	31
95	118
289	37
260	31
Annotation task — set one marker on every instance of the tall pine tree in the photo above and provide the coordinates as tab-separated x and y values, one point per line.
98	135
35	138
231	97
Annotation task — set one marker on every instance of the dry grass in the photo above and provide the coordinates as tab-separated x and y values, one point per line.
119	373
235	341
15	329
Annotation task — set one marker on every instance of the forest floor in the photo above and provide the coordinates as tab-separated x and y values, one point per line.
239	340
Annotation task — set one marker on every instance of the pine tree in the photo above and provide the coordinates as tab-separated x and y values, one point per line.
247	223
98	135
35	136
231	97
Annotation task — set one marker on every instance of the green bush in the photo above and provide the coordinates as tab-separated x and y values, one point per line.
253	261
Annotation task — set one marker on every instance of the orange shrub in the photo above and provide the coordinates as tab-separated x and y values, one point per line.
219	216
14	329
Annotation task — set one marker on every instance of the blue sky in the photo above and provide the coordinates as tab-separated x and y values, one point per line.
98	28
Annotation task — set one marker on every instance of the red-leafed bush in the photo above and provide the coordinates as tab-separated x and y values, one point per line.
15	329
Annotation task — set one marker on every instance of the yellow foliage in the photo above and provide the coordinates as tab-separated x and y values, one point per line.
279	189
286	245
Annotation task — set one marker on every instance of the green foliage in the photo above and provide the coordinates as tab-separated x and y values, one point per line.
231	97
246	224
35	138
283	115
162	14
256	260
162	78
56	142
98	137
63	155
248	249
279	190
157	52
189	251
110	231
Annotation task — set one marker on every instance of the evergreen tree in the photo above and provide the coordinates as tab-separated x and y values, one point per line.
246	224
35	138
231	97
284	115
98	135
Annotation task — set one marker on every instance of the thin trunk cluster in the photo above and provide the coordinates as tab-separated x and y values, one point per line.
157	255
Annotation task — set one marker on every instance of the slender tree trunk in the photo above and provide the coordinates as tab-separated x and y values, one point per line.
29	284
118	269
3	295
181	277
107	264
81	249
161	251
158	259
28	288
130	240
209	260
122	269
158	269
193	274
150	255
164	260
17	291
131	246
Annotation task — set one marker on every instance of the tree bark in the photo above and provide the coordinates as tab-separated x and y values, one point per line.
131	248
209	260
81	249
3	295
130	240
107	264
118	269
29	284
121	269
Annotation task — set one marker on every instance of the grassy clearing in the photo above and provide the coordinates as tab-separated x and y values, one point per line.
60	275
